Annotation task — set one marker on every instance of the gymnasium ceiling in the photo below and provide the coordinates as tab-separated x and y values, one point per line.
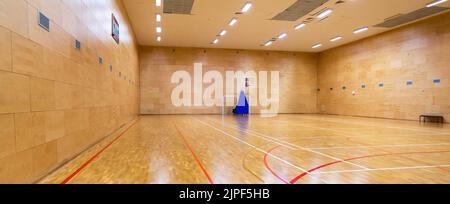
255	27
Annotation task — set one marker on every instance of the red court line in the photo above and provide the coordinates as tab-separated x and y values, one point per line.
411	159
247	169
356	158
76	172
270	169
194	155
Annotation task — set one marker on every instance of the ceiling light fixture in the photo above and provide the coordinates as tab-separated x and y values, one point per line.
215	41
158	3
317	46
300	26
158	38
223	32
435	3
325	13
360	30
158	29
246	7
268	43
232	22
282	35
158	17
335	39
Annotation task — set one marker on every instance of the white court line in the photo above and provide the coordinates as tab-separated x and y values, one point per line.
316	173
380	169
351	134
289	146
344	133
300	147
385	126
327	129
399	145
253	146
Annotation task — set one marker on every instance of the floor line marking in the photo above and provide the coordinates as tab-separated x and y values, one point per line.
329	156
270	169
404	157
253	146
384	126
300	147
329	129
367	146
382	169
248	169
346	133
361	157
85	164
289	146
186	143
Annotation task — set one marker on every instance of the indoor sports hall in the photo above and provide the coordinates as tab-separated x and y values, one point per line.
224	92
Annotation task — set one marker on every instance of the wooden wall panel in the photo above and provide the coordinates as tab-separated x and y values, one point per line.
14	16
55	100
5	49
298	79
15	93
418	52
7	135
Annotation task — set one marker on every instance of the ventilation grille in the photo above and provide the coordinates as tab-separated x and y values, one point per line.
299	9
178	6
44	22
415	15
77	45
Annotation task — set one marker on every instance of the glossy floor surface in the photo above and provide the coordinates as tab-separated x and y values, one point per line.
291	149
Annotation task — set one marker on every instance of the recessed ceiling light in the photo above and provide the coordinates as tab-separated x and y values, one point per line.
158	38
268	43
360	30
335	39
158	29
158	3
158	17
215	41
317	46
435	3
300	26
246	7
282	35
325	13
223	32
232	22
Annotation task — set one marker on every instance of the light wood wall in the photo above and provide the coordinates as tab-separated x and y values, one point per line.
419	52
55	101
298	80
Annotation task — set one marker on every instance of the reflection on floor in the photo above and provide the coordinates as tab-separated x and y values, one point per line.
291	149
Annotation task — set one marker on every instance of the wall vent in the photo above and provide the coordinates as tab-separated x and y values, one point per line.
410	17
299	9
77	45
178	6
44	21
